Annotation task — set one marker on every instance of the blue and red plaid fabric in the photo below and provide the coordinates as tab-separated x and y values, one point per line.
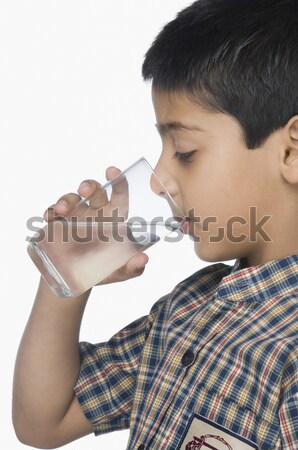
223	344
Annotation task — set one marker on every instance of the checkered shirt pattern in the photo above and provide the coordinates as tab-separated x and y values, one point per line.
222	344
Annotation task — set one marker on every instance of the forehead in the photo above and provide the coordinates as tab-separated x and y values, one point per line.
176	108
173	109
174	103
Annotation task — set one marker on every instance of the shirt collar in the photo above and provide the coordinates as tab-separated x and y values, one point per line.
257	283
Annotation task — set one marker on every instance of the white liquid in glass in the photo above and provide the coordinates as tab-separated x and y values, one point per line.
74	257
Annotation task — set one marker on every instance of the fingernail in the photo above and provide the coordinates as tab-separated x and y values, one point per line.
62	204
84	184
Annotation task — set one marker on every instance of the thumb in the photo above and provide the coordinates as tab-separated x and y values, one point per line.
136	265
134	268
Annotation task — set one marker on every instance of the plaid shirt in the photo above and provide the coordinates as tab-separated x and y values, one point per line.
220	351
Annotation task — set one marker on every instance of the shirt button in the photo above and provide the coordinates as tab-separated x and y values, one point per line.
141	447
188	358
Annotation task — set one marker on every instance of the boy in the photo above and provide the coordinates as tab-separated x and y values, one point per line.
215	363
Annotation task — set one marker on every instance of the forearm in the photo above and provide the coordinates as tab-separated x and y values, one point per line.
48	361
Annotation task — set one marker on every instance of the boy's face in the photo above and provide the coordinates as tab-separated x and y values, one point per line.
220	180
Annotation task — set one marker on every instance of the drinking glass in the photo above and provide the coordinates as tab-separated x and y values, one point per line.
124	216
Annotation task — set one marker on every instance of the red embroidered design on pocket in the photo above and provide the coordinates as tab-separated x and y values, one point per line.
201	443
203	434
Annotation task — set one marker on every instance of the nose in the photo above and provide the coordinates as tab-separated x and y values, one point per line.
156	186
160	181
163	182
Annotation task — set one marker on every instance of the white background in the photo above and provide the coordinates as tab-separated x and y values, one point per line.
72	102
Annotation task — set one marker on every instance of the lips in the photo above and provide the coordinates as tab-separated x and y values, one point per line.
177	213
184	226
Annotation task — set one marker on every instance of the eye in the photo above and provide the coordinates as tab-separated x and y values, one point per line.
184	157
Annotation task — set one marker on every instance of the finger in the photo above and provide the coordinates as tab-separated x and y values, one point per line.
112	172
94	195
134	268
88	187
58	210
49	213
66	205
119	196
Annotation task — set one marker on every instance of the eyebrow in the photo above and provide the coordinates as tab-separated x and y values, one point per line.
164	128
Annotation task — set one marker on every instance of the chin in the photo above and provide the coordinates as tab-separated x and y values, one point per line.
212	252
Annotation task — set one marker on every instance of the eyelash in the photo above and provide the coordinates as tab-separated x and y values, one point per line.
184	157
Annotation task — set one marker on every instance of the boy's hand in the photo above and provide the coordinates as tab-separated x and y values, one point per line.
69	206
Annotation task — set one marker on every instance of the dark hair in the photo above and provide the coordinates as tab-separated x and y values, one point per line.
238	57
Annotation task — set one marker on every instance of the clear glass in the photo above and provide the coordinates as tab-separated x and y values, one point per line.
125	216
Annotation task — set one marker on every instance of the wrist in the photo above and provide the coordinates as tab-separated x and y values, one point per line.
45	291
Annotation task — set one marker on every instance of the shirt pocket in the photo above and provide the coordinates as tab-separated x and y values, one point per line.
238	419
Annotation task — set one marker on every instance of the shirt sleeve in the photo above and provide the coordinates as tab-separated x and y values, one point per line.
288	411
105	386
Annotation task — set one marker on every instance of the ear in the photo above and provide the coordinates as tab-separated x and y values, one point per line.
289	152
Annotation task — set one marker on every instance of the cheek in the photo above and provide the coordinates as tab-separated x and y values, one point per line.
208	189
217	193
